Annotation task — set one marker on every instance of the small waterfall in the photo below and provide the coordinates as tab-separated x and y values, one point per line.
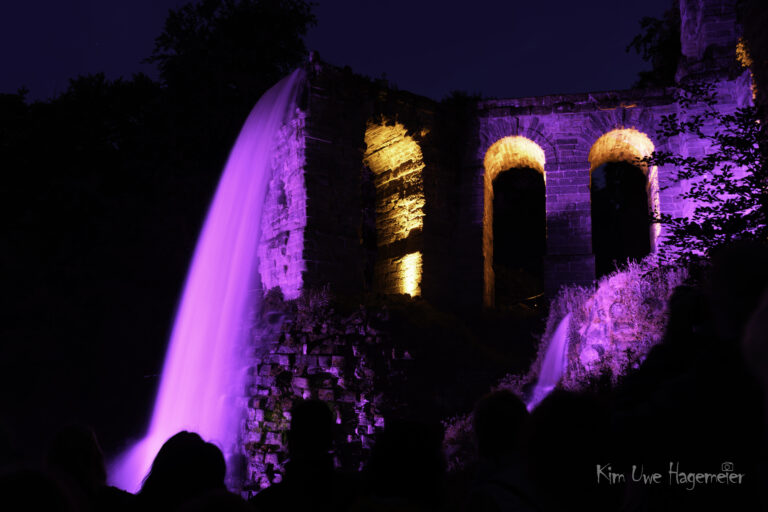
202	374
553	366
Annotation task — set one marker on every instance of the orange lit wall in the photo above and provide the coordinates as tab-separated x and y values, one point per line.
397	163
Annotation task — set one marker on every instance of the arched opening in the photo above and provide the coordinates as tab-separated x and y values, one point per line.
624	192
519	227
396	161
514	227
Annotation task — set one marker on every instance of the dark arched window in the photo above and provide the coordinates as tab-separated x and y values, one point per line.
619	184
514	220
519	234
620	219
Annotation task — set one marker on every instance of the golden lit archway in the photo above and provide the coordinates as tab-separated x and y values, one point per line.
397	163
621	145
627	146
513	152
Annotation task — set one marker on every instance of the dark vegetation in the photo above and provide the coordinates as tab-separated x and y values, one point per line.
658	44
727	184
105	187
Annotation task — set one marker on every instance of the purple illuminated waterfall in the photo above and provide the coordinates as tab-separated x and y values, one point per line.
553	366
202	375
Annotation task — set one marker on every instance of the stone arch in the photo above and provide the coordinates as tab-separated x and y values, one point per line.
509	152
513	152
530	128
620	197
621	145
625	116
397	163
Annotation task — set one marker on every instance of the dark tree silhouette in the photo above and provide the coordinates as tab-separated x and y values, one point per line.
105	187
234	47
658	43
727	184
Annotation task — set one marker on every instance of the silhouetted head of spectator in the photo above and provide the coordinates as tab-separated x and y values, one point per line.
498	419
185	467
567	436
75	457
25	490
311	433
754	344
213	467
407	462
9	451
689	315
738	277
216	501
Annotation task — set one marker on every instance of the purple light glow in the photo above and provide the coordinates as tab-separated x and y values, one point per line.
202	375
553	367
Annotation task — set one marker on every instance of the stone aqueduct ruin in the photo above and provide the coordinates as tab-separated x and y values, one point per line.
375	189
379	189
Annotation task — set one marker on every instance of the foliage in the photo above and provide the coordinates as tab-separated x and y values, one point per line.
613	325
459	443
216	58
726	185
232	48
658	44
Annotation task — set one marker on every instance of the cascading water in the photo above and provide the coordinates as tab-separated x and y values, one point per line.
200	380
553	366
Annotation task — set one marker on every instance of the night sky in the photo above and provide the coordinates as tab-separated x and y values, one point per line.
495	48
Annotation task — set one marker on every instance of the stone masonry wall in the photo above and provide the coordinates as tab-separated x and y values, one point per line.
310	351
284	215
708	35
342	107
422	232
566	127
397	163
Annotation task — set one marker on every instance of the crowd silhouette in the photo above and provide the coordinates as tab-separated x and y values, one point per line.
696	406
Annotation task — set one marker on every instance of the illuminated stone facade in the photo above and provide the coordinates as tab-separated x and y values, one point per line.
281	260
381	190
397	164
506	154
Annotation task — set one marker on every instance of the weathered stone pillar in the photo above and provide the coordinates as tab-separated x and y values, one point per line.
569	227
